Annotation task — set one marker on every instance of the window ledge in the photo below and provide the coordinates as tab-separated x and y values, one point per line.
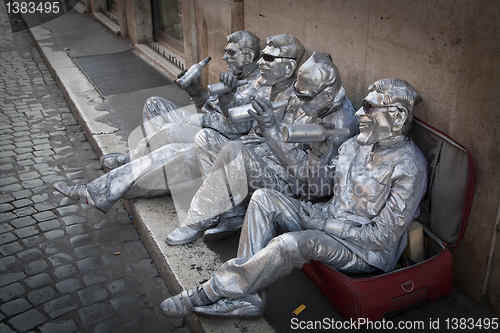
107	22
160	61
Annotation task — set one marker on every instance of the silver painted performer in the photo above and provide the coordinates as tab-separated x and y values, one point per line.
173	167
380	177
266	161
166	123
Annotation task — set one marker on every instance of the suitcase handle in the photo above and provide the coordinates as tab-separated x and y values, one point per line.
407	286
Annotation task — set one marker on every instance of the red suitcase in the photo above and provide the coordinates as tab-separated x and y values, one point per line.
444	213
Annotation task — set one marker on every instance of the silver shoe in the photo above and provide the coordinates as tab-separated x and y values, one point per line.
77	193
183	235
225	228
182	305
114	160
230	222
236	308
186	234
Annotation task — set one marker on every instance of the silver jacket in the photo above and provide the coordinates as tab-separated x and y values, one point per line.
376	195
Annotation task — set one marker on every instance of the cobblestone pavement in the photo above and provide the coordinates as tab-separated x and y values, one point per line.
64	267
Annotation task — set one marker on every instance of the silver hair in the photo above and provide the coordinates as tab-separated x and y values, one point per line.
246	39
329	72
401	93
289	46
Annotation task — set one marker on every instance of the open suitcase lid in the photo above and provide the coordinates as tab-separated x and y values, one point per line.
446	206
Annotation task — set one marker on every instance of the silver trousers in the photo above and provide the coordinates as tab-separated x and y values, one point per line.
265	255
158	111
207	144
236	171
171	169
163	162
163	123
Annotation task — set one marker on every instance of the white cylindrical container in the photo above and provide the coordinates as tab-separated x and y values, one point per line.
240	113
303	133
220	88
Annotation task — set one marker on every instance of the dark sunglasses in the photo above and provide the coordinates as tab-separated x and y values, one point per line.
270	58
304	97
369	107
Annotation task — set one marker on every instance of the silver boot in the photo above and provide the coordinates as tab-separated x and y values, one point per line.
77	193
230	223
225	228
245	307
183	235
189	233
182	305
114	160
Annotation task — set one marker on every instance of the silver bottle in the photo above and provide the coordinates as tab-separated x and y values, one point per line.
192	73
220	88
240	113
303	133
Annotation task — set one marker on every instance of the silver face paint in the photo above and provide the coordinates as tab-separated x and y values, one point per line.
272	71
376	122
279	59
236	58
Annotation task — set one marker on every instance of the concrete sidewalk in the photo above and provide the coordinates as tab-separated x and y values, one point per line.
107	123
64	267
